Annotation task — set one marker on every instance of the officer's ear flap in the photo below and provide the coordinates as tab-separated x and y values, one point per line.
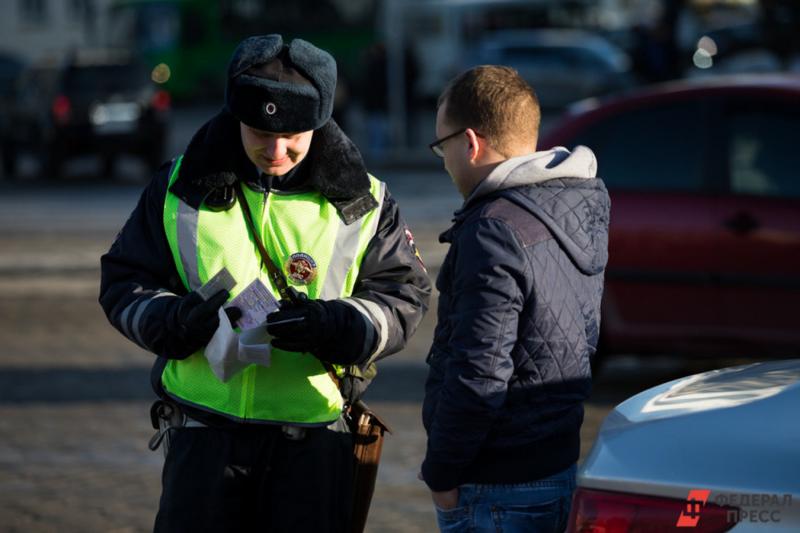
221	198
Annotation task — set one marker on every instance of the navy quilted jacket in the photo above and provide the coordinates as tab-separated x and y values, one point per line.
519	317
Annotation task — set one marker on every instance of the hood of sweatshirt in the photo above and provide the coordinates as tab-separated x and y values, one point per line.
562	190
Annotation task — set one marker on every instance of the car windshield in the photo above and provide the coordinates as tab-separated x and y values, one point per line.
105	78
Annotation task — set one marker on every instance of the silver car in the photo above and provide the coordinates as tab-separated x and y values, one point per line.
562	65
711	452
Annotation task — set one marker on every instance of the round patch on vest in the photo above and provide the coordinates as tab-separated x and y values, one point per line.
270	108
301	268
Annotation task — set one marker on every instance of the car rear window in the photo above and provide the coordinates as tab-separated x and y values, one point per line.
762	155
547	57
105	78
657	148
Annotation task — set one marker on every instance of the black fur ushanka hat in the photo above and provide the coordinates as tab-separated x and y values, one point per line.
280	88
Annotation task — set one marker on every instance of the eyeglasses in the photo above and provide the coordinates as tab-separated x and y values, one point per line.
436	146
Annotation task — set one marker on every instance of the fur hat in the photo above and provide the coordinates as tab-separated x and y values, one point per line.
280	88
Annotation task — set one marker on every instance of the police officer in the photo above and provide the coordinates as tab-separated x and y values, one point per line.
267	448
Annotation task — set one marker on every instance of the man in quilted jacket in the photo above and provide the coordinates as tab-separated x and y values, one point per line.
519	312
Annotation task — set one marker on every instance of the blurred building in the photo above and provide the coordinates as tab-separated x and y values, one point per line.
43	30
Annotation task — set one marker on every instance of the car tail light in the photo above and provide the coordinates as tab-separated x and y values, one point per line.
61	109
161	101
595	511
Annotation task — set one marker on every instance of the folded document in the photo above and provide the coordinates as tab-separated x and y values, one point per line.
229	352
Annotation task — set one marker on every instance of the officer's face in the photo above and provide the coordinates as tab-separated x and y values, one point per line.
275	153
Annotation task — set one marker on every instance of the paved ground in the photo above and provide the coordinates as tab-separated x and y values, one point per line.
74	394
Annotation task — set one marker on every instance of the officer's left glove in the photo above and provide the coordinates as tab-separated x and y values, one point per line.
192	322
331	330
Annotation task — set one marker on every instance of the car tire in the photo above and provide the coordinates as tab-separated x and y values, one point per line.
107	167
9	160
154	158
52	166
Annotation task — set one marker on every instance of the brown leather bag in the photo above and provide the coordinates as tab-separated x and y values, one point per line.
368	431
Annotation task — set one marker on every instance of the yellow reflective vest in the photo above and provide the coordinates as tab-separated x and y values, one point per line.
295	388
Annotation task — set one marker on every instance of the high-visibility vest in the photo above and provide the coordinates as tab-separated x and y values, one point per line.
295	388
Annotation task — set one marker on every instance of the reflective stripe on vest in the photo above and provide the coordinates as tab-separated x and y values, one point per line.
296	387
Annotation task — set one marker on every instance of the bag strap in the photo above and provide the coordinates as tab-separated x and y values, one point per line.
274	272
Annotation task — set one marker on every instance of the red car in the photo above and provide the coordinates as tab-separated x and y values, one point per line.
705	215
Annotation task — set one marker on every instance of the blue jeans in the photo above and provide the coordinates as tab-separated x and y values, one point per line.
538	506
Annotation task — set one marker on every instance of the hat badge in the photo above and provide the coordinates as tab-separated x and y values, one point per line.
301	268
270	108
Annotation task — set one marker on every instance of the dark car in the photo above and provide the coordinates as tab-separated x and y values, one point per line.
10	69
102	103
705	218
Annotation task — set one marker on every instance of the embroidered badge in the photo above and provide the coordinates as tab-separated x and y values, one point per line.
270	108
301	268
413	246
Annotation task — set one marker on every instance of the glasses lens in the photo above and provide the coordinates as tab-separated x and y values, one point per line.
437	150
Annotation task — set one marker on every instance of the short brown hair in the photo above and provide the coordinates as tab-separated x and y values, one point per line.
497	103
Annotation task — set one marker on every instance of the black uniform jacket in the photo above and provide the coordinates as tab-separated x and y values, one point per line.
139	267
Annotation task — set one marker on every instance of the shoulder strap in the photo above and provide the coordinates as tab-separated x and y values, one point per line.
274	272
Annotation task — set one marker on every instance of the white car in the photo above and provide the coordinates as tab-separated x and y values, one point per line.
717	451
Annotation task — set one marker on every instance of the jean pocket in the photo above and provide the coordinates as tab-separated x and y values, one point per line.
541	517
452	520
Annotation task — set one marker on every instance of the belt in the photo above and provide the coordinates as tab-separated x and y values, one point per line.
289	431
168	415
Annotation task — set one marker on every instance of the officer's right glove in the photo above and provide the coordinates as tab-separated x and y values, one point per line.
331	330
194	322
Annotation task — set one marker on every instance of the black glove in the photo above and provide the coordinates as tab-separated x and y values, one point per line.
330	330
195	322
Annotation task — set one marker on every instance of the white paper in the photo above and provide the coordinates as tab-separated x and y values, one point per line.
254	346
222	351
228	352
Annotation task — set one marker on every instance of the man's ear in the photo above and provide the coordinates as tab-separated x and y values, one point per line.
474	145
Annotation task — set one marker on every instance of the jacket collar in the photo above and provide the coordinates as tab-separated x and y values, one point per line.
215	159
462	214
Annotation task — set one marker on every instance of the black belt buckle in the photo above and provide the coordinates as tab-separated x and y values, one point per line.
293	432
